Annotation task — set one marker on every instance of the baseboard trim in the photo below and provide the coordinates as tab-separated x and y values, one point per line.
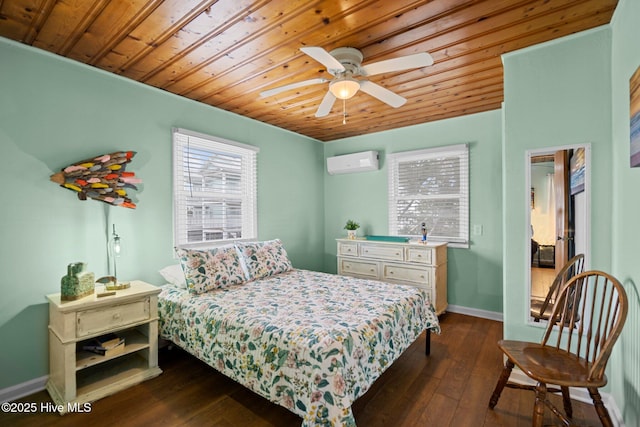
579	394
26	388
475	312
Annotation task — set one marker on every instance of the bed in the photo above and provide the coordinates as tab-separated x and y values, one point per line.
311	342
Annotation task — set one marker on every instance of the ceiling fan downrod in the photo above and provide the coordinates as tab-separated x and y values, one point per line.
344	111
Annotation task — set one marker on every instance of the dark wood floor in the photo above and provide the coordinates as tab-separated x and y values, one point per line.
449	388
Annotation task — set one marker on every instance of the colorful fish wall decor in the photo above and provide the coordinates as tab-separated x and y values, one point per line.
102	178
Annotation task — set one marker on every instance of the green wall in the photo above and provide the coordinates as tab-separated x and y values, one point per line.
54	112
474	274
555	94
625	372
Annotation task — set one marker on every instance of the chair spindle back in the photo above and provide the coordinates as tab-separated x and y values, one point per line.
572	268
591	308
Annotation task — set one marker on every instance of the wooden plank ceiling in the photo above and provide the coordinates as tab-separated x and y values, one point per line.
224	53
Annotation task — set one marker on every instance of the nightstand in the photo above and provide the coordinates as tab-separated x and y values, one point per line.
78	376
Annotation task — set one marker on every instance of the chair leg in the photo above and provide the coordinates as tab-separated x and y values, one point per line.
538	407
502	381
602	411
566	401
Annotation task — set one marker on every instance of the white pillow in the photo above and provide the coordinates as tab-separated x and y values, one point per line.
174	275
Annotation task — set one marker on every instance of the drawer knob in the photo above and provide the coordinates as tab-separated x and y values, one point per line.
372	270
116	316
419	255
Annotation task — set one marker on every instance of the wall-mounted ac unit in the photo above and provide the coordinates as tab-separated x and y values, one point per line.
356	162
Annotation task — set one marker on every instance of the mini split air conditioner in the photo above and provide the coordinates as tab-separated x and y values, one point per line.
356	162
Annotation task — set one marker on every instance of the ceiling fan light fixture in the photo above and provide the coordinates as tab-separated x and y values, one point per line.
344	88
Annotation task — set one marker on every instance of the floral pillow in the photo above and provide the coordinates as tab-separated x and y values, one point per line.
209	269
263	259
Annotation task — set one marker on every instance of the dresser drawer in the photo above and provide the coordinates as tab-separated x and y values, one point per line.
421	276
90	322
349	249
420	255
390	253
359	268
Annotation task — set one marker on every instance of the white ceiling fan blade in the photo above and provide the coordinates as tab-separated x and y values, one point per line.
417	60
323	57
383	94
303	83
326	105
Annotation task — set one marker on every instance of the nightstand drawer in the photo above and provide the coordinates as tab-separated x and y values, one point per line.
381	252
407	274
99	320
420	255
359	268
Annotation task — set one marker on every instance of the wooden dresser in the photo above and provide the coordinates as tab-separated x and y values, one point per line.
417	264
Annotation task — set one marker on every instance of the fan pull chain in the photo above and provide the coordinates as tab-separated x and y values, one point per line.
344	111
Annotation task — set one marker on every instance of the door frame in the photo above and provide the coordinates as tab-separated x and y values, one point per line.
562	188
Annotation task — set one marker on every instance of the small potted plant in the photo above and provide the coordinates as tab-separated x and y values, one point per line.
351	228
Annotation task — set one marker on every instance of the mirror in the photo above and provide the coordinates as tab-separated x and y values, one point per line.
558	180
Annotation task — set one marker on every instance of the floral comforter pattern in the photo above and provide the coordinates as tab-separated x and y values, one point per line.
311	342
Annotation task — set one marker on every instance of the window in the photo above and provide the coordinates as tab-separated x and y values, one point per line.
214	189
430	186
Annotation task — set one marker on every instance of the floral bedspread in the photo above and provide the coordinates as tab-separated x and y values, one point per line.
311	342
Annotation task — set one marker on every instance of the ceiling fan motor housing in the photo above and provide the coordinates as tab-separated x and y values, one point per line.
349	57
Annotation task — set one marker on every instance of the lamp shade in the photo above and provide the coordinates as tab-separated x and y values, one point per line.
344	88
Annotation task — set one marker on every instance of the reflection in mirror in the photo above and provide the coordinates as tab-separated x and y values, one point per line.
558	179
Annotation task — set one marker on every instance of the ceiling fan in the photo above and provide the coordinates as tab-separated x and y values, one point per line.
345	63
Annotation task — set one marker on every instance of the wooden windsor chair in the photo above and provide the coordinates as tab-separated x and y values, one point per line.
591	311
541	310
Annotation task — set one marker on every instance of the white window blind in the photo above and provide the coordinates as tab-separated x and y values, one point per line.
430	186
214	189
